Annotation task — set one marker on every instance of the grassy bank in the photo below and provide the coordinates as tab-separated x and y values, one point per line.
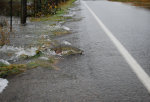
141	3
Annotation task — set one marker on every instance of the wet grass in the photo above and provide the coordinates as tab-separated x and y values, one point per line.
67	50
50	63
140	3
4	33
13	69
59	33
58	16
6	70
38	54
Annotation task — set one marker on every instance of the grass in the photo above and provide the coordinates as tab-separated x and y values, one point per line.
4	34
59	33
67	50
12	69
58	16
42	63
132	0
141	3
38	54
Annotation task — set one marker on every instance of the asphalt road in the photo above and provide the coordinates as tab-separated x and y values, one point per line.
102	74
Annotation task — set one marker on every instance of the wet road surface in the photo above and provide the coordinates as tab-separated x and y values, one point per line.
101	74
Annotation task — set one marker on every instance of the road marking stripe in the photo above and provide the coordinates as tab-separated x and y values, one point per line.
137	69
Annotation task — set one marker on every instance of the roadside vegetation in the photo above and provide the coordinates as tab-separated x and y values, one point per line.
132	0
62	9
141	3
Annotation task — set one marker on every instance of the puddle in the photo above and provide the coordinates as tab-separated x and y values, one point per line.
3	84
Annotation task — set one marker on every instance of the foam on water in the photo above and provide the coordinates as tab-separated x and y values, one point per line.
66	42
71	14
3	84
43	58
19	51
29	52
58	27
10	49
66	28
4	62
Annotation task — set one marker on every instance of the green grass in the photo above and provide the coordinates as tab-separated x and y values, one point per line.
6	70
42	63
13	69
141	3
58	16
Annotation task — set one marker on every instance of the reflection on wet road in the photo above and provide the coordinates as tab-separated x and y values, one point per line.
137	69
101	74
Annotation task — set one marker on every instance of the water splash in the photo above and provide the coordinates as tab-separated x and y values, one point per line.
43	58
66	28
18	51
3	84
58	27
66	42
51	53
9	49
71	14
29	52
4	62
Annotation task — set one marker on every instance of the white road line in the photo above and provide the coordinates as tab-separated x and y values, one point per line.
137	69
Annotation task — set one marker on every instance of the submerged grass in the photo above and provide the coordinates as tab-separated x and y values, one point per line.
38	54
7	70
59	33
42	63
12	69
67	50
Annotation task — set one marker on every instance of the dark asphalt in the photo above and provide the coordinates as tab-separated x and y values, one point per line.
101	74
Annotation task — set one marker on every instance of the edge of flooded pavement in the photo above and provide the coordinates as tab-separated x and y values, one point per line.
65	42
